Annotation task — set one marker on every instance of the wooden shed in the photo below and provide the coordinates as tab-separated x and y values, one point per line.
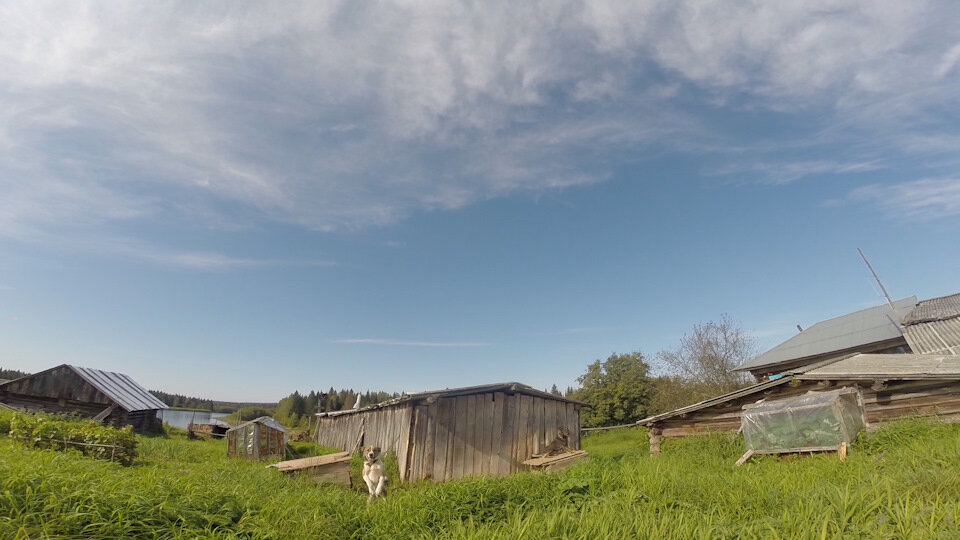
447	434
260	438
113	398
892	386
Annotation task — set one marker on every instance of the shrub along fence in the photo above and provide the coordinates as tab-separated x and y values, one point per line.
87	436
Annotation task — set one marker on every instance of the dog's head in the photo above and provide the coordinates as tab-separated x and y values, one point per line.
371	453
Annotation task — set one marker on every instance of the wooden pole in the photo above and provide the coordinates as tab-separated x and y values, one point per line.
656	435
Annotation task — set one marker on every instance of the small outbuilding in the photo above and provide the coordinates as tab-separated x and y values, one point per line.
106	396
446	434
260	438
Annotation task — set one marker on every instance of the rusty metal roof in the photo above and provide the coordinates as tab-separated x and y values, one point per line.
510	387
864	327
120	388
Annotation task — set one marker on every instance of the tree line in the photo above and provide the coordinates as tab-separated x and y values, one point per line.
626	388
10	374
622	389
297	409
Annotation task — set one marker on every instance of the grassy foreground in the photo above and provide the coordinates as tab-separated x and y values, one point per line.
902	481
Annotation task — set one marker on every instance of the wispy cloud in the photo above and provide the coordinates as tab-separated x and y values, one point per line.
921	199
783	172
373	341
344	115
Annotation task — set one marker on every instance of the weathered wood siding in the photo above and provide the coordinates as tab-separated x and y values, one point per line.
444	438
898	398
388	428
484	434
61	391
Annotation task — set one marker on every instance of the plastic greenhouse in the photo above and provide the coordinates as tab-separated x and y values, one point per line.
260	438
815	421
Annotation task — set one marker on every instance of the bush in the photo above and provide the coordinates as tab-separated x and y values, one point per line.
47	432
5	417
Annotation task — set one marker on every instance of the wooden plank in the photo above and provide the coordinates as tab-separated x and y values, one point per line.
468	430
574	410
557	463
539	431
498	463
551	421
475	434
527	430
438	471
459	425
305	463
409	454
510	406
487	460
426	441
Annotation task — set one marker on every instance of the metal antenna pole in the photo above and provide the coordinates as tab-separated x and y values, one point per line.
882	288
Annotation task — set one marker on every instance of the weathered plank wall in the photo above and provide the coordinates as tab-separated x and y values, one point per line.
388	428
897	399
60	387
62	391
452	437
489	434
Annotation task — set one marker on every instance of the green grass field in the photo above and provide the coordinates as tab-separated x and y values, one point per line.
902	481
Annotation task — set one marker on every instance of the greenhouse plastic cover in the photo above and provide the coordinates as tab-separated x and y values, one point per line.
815	420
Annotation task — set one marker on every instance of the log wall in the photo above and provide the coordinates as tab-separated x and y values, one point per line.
893	400
62	391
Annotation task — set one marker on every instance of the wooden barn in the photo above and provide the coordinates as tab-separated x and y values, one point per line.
891	385
897	344
447	434
260	438
112	398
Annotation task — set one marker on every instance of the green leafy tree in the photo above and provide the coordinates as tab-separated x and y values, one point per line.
617	389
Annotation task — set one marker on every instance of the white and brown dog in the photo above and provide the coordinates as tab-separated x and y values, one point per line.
374	473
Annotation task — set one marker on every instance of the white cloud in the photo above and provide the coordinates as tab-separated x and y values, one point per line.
788	171
339	115
921	199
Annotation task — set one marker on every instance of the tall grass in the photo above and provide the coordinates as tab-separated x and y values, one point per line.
900	482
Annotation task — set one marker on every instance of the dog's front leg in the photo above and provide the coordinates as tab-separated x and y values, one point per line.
380	486
371	489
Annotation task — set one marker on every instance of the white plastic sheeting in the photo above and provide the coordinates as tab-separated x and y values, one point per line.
815	420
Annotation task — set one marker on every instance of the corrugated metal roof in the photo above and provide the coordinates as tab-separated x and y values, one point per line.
121	389
466	390
886	366
934	337
935	309
872	325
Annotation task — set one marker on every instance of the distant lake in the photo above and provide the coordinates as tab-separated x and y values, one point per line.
181	419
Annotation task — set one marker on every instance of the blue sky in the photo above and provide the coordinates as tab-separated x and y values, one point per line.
235	200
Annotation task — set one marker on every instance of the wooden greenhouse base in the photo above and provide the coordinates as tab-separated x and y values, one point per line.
840	449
